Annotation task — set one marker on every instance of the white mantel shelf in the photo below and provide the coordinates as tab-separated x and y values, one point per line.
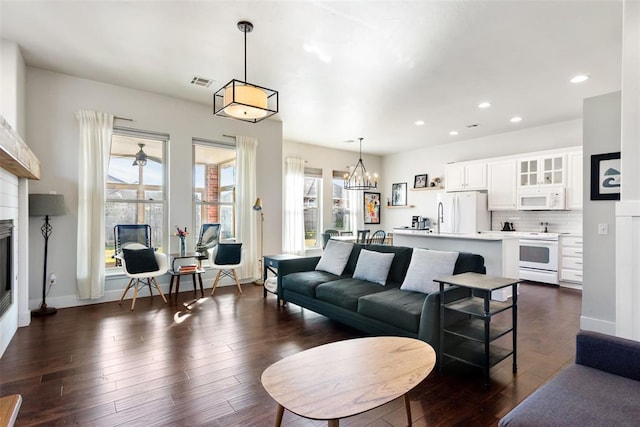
15	154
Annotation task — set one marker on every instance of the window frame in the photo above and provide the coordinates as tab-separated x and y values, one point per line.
164	139
316	174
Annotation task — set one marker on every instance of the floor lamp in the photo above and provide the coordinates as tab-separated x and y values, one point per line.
45	205
257	206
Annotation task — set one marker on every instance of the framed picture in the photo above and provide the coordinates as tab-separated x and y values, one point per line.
605	176
399	194
371	208
420	181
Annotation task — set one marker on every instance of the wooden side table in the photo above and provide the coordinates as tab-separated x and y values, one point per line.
469	340
176	273
270	264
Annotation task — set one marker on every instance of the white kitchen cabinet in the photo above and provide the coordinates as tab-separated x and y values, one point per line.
501	185
574	180
466	176
543	170
571	261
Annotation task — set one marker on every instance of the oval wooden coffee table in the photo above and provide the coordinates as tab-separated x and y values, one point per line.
345	378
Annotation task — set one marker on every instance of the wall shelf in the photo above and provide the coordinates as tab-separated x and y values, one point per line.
400	207
427	188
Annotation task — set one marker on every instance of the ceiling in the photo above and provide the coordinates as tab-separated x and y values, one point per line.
344	69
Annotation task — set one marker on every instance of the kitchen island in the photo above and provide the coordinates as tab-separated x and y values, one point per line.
501	252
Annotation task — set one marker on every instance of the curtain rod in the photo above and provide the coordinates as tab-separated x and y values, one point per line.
229	136
123	118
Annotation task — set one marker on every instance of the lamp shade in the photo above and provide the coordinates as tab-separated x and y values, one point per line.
257	206
245	102
46	204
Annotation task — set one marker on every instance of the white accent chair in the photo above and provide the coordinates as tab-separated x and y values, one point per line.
226	258
145	278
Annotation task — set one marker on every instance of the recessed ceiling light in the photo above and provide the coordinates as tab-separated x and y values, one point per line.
484	105
453	133
579	78
419	122
515	119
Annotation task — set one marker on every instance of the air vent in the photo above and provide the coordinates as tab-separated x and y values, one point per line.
473	125
201	81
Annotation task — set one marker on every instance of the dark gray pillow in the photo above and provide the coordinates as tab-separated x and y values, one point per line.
140	260
228	253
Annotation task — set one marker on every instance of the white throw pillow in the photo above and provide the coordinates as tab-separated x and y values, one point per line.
425	266
335	256
373	266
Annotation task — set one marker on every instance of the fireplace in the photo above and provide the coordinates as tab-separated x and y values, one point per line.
6	265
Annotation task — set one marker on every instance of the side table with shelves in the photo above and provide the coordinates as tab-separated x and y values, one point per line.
470	340
270	264
175	271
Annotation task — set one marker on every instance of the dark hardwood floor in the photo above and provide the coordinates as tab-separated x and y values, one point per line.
161	365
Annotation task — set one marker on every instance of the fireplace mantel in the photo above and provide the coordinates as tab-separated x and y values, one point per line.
15	154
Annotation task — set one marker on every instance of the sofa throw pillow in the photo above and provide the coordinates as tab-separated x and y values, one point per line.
140	260
425	266
335	256
228	254
373	266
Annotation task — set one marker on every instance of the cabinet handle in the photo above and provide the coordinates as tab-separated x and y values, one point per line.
579	252
578	262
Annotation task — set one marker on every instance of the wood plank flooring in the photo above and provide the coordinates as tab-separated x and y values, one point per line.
161	365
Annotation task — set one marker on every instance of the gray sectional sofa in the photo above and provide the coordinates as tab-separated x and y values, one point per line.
367	306
601	389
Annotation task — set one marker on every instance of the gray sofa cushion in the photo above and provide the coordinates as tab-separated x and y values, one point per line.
345	292
580	396
305	282
394	306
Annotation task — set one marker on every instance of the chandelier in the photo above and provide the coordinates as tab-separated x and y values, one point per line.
242	100
359	178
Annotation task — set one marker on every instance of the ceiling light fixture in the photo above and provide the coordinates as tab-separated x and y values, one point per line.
453	133
359	178
242	100
419	122
141	157
579	78
484	105
515	119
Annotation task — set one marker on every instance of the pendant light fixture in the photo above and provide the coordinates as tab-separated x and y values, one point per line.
141	157
242	100
359	178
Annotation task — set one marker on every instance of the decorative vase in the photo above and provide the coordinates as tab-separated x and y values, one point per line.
183	246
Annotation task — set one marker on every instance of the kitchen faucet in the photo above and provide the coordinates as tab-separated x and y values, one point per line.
440	215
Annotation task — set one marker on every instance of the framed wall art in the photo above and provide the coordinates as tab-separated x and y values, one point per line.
399	194
605	176
420	181
371	208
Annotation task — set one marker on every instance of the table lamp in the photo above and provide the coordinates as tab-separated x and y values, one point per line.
45	205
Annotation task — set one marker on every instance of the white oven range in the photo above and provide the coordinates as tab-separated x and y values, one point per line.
539	257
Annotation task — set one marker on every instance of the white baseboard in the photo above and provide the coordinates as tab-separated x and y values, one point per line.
597	325
120	282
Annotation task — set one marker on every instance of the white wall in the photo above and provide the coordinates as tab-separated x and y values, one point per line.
601	135
53	99
12	75
403	167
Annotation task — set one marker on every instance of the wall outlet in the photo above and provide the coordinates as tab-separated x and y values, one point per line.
603	229
52	279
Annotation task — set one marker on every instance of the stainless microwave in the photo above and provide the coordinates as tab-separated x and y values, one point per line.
542	198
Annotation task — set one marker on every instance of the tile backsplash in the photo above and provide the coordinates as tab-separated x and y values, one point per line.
559	221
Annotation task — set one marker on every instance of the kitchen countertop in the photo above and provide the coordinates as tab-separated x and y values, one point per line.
469	236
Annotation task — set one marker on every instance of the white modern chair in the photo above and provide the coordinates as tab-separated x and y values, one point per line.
226	258
139	278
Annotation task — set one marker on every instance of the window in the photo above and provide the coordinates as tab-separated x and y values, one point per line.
341	213
312	213
135	192
214	186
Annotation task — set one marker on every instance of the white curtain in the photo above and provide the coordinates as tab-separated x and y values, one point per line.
293	242
246	229
356	209
95	144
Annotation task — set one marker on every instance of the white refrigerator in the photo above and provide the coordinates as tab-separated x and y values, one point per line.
463	212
